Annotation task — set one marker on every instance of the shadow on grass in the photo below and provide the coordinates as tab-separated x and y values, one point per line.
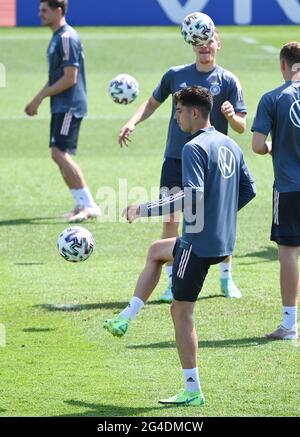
69	307
211	296
38	329
32	221
234	343
2	410
29	264
83	307
268	253
100	410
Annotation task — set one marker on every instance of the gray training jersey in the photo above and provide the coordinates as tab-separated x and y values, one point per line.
212	166
223	85
65	50
278	113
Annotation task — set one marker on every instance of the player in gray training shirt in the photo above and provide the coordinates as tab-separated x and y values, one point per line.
66	88
216	183
278	113
229	109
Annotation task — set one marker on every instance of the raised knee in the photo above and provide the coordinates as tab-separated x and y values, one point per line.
173	221
153	251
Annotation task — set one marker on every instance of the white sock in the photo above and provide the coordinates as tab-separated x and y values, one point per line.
191	379
132	309
83	197
75	197
169	271
225	270
289	317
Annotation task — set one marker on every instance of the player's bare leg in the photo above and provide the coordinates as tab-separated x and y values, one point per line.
160	252
289	284
86	207
170	230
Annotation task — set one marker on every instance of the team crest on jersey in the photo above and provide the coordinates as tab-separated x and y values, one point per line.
226	162
215	89
295	113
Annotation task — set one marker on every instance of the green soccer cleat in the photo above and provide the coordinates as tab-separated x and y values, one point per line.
185	397
117	326
229	289
167	296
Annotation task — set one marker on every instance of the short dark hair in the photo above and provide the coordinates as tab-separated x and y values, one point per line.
290	52
195	96
54	4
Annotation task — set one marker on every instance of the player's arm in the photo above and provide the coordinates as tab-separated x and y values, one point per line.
260	145
186	200
165	206
236	120
32	107
143	112
65	82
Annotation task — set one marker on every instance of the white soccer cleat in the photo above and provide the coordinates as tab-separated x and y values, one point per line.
68	215
282	333
86	214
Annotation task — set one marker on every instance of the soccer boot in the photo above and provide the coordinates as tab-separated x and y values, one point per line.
166	296
185	397
117	326
69	215
229	289
282	333
85	214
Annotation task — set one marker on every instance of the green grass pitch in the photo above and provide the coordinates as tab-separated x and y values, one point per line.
58	360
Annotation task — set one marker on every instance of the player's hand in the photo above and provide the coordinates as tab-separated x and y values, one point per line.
269	146
227	109
32	108
131	213
124	134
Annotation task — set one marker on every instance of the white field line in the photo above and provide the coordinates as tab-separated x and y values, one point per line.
91	117
268	49
87	37
248	40
108	37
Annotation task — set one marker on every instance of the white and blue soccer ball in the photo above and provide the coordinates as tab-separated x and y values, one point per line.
123	89
197	29
75	244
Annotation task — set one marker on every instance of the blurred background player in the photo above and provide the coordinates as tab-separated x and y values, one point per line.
228	107
218	192
278	113
67	89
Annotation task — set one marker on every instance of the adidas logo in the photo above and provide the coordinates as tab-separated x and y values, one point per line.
190	379
183	85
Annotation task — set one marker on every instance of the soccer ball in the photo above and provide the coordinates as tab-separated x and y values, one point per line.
75	244
197	29
123	89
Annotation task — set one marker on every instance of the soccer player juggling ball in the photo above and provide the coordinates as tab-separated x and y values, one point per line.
216	184
228	109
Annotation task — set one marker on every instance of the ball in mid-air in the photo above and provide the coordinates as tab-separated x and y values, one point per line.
197	29
123	89
75	244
